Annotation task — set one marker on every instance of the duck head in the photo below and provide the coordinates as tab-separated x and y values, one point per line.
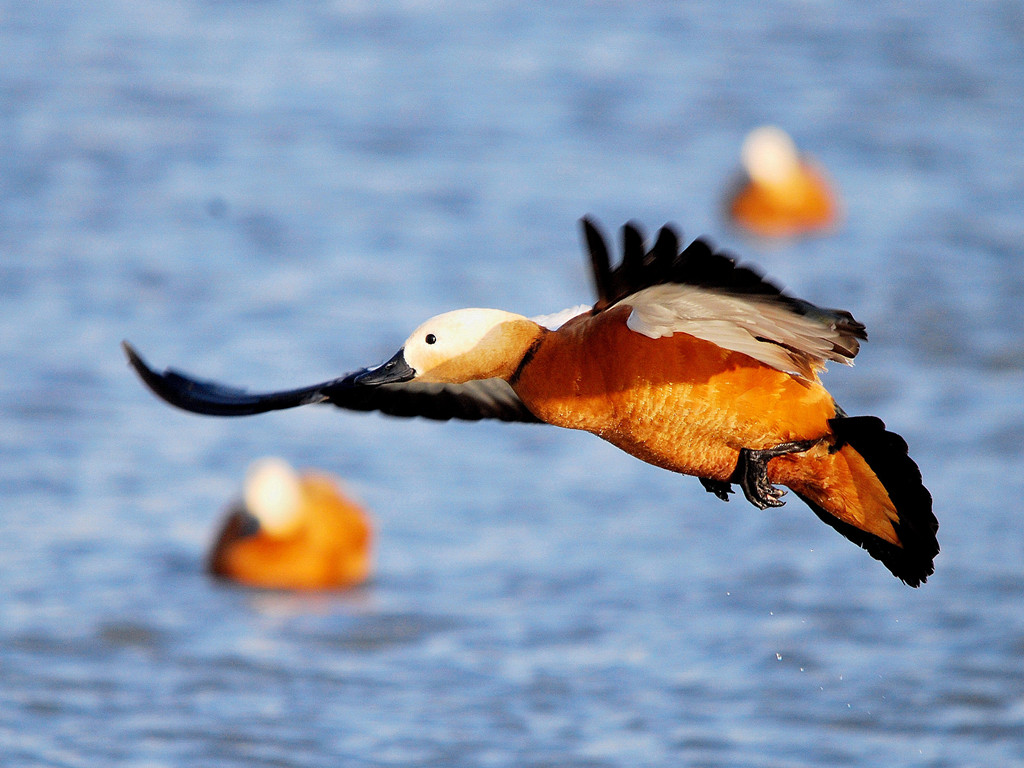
770	157
460	346
273	496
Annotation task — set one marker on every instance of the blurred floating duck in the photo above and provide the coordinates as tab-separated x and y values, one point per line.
687	361
292	532
780	194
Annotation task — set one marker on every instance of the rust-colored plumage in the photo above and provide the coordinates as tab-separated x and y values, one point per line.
681	403
703	406
686	361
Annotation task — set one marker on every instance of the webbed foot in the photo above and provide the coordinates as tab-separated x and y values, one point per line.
752	472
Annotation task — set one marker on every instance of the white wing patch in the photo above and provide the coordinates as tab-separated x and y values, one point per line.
556	320
767	331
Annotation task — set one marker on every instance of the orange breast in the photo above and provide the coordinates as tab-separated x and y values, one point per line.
329	548
805	203
679	402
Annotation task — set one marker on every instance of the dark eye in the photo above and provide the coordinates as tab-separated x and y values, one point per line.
431	338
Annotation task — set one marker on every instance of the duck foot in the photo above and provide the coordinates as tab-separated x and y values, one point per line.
752	472
720	488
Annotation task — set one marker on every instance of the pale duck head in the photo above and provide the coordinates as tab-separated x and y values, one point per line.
273	495
769	156
459	346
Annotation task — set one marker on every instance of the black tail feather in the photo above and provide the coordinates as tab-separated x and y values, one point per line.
886	455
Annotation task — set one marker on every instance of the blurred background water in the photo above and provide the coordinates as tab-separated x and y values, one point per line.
272	194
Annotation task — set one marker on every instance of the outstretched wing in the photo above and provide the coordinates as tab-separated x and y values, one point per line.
704	293
486	399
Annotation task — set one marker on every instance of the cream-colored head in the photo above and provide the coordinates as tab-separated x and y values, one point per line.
769	156
469	344
273	495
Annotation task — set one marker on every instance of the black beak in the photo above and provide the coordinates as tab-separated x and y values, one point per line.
248	523
393	371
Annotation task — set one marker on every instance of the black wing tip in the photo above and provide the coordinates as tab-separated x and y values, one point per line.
170	387
133	356
156	382
600	265
699	263
203	397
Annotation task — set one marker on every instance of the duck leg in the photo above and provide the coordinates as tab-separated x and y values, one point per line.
752	472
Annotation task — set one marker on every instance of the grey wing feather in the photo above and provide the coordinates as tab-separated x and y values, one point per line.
705	293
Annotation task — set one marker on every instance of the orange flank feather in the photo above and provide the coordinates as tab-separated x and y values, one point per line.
317	539
680	403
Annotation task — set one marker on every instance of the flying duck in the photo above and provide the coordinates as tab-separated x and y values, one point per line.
780	193
687	361
292	531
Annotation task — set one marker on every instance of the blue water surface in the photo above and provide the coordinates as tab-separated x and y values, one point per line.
272	194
